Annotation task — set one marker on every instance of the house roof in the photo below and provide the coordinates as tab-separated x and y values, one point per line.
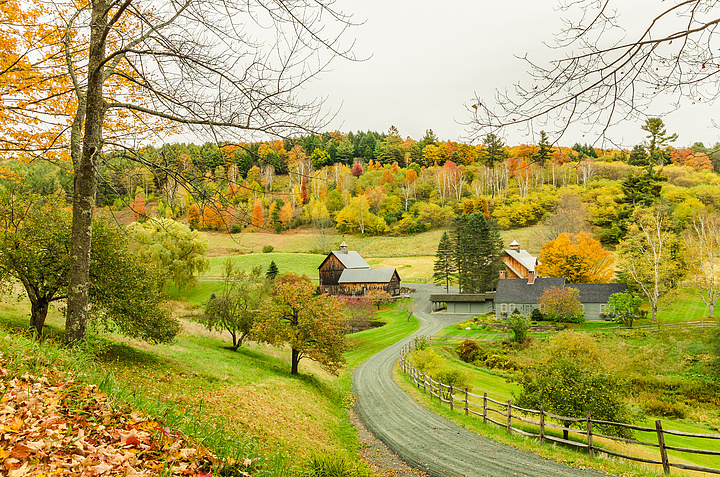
511	290
367	275
351	259
461	298
597	292
524	258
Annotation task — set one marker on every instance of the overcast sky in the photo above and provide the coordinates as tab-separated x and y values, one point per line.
427	59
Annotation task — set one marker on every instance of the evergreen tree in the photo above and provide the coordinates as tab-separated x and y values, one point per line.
494	150
545	152
638	156
478	252
444	262
658	140
272	271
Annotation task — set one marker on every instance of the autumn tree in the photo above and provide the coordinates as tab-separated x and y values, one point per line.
579	258
312	326
574	380
108	71
570	217
444	268
702	239
235	307
561	304
378	297
652	256
125	290
359	312
173	247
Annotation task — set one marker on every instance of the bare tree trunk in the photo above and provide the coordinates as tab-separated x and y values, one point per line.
86	183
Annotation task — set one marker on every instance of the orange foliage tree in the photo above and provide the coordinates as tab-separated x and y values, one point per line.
579	258
257	215
313	326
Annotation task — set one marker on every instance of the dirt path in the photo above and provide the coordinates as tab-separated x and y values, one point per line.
425	440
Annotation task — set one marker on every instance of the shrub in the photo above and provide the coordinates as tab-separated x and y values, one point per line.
656	407
499	361
235	229
468	350
519	325
426	361
268	248
537	315
455	377
420	342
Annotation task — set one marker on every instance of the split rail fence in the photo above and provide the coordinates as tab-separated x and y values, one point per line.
503	414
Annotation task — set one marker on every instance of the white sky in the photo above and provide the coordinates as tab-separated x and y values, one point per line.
427	59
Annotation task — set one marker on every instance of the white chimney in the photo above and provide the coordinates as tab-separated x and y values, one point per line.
502	274
343	247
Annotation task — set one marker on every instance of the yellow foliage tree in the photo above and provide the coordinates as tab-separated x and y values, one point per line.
579	258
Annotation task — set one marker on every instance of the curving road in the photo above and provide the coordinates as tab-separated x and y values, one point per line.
422	438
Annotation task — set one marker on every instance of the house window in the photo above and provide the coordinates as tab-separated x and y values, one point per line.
503	308
602	308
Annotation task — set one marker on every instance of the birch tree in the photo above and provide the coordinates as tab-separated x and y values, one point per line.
703	245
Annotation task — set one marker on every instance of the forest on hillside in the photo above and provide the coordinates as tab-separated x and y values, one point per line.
378	183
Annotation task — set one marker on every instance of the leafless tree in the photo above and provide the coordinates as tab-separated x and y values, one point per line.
606	71
231	68
703	244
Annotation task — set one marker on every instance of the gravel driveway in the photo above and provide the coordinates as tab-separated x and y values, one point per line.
422	438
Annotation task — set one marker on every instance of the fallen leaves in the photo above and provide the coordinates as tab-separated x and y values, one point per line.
54	427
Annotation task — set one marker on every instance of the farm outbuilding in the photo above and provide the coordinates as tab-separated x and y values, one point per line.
345	272
477	303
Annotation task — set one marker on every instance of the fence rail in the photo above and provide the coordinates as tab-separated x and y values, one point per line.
446	393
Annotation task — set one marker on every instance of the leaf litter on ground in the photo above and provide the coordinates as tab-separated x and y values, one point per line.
52	424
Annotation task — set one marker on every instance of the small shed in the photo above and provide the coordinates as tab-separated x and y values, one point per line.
476	303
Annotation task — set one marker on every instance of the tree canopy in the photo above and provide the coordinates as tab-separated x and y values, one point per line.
579	258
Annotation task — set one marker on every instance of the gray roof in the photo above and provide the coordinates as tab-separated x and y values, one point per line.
351	259
517	290
462	298
367	275
597	292
525	259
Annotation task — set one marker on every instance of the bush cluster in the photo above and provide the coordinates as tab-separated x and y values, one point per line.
470	352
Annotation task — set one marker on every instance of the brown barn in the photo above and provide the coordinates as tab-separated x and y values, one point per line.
519	263
345	272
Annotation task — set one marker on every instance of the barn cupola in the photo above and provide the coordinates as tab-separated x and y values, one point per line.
515	246
343	247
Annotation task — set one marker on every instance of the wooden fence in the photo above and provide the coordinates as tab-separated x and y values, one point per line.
700	324
505	412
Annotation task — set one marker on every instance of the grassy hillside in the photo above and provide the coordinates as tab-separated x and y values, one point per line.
247	396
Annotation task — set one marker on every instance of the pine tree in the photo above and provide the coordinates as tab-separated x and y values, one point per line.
272	271
478	252
444	262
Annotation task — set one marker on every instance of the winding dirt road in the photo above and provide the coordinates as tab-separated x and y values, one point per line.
422	438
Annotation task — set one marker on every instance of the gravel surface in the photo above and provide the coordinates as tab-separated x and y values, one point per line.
421	438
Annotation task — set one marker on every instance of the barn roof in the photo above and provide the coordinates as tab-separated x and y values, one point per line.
351	259
597	292
524	258
367	275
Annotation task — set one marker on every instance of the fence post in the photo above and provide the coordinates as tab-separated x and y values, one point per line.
466	401
440	391
509	415
425	383
542	425
591	452
663	451
451	397
484	408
